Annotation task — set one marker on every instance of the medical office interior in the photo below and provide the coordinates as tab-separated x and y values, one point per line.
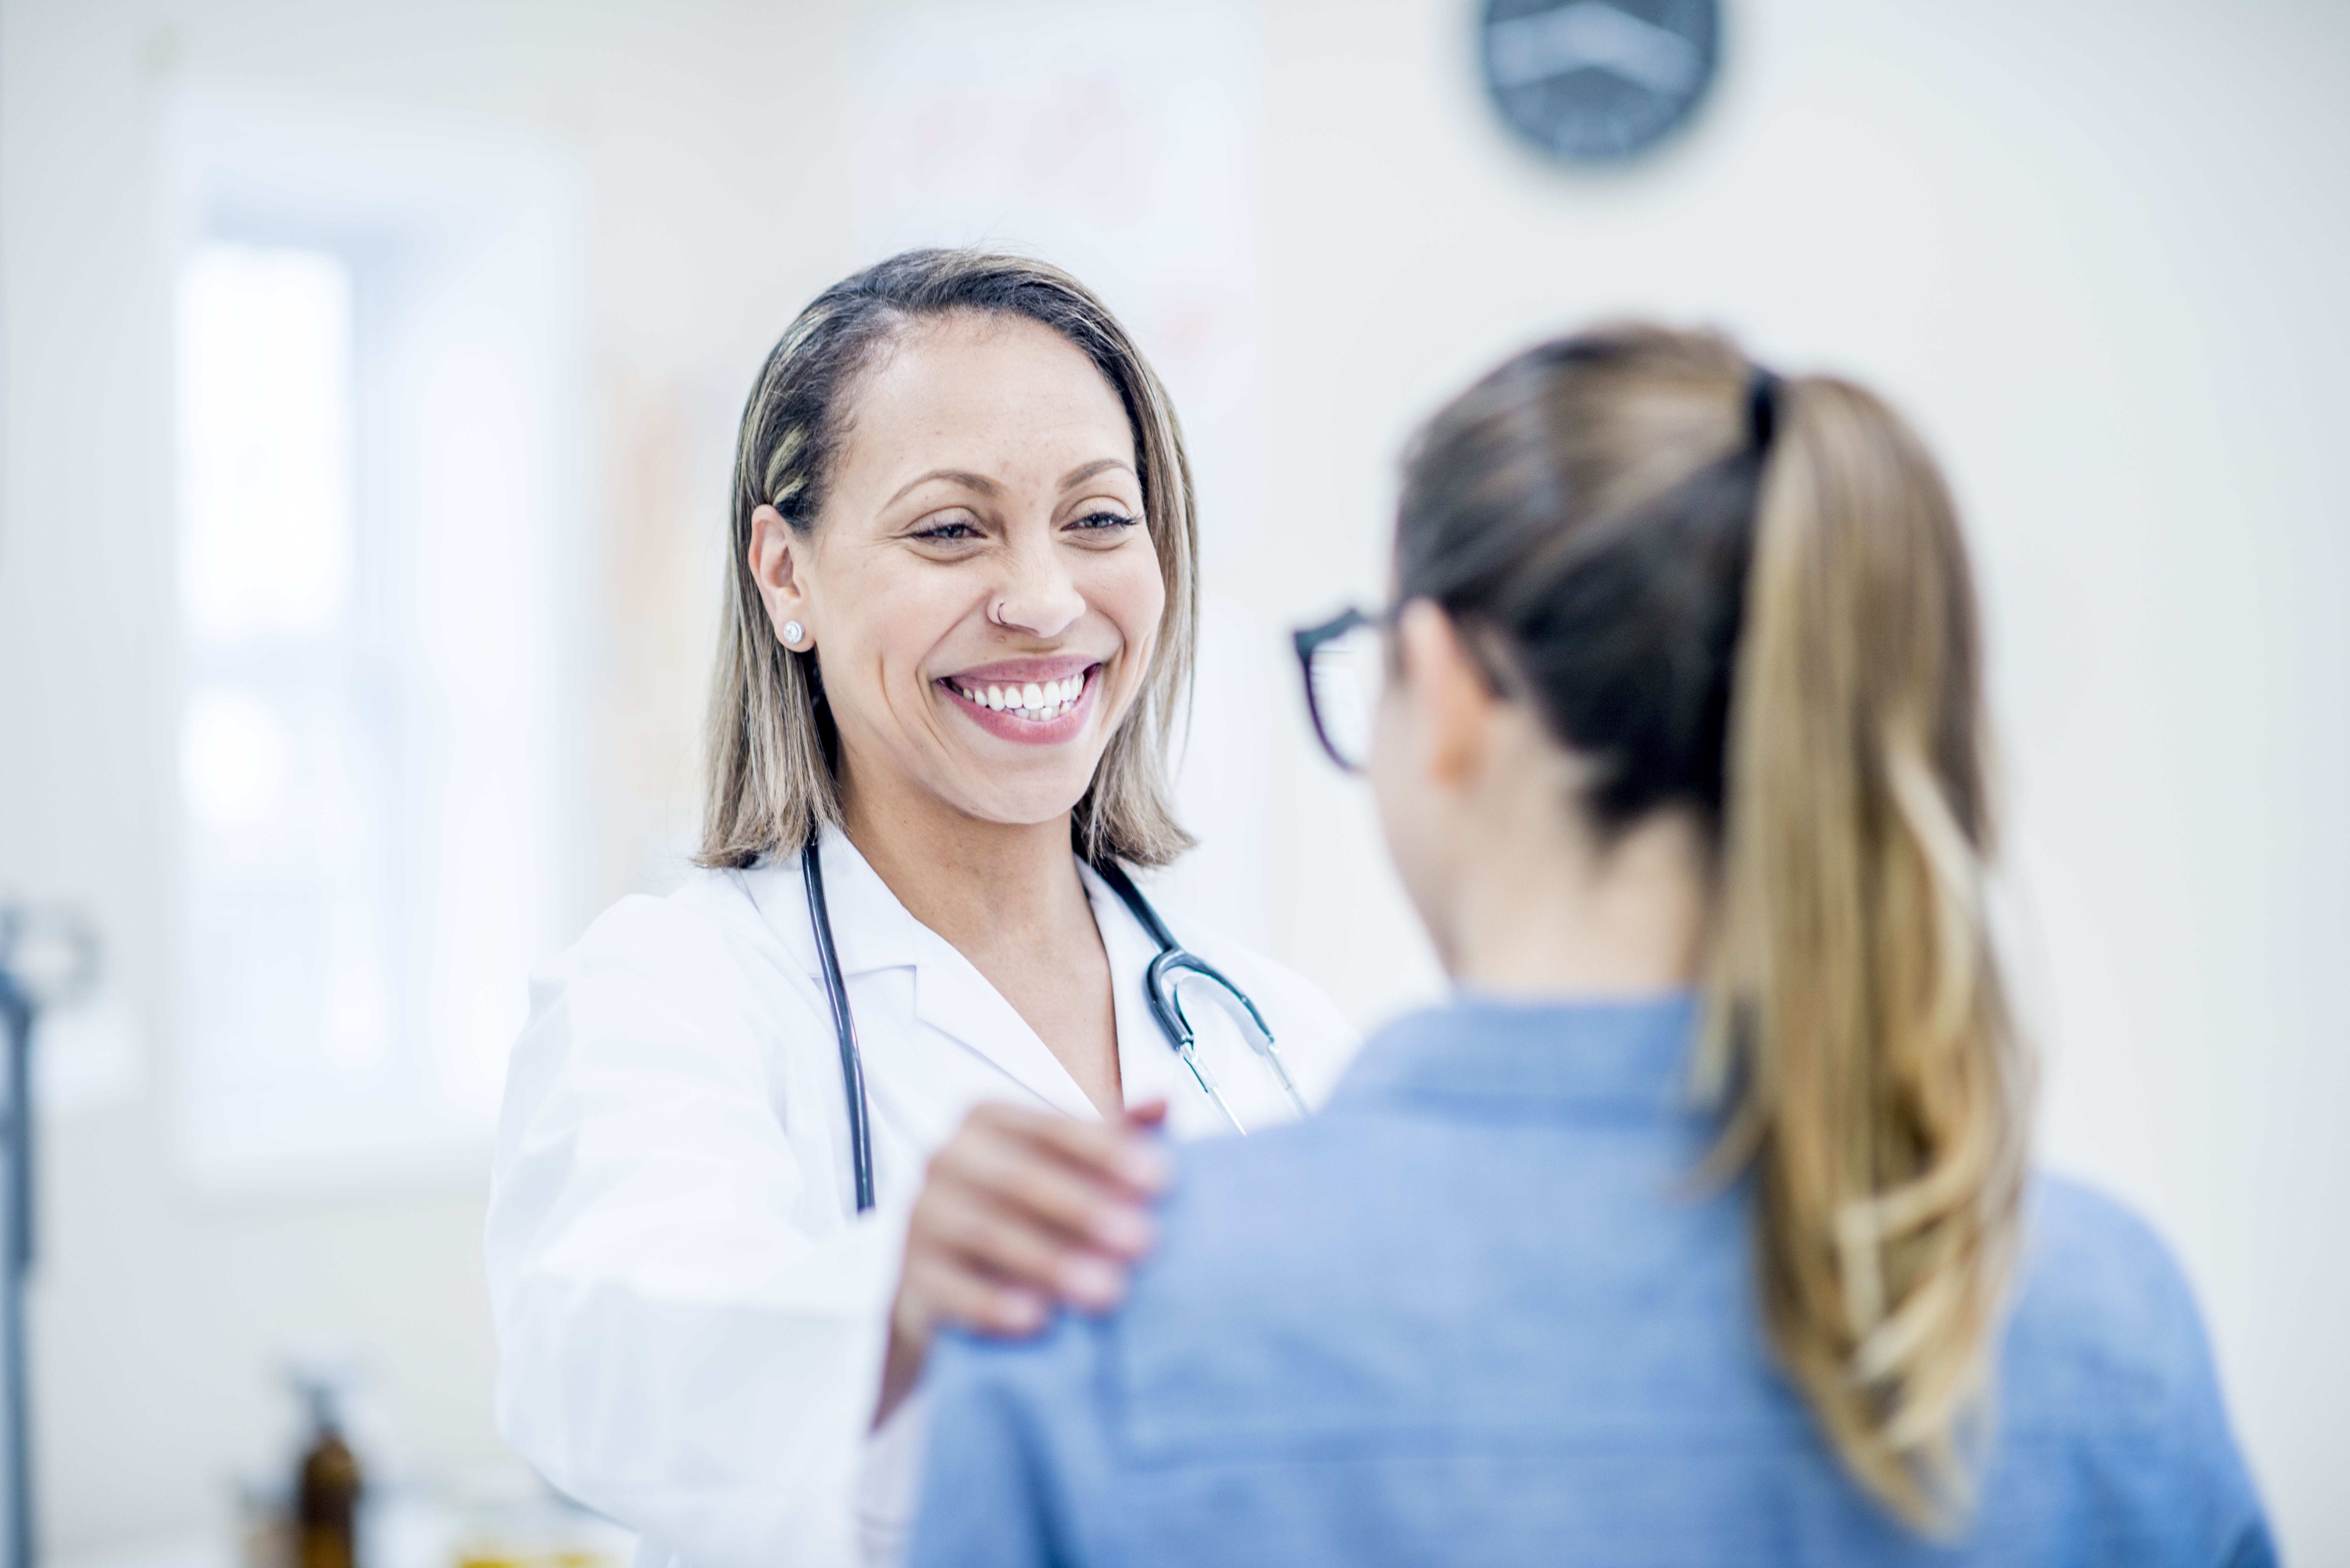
368	374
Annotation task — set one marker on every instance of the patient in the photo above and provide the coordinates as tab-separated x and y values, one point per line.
1700	1227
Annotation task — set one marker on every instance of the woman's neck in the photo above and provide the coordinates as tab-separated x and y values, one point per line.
1008	898
985	886
1540	908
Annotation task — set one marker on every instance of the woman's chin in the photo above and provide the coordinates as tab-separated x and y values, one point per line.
996	802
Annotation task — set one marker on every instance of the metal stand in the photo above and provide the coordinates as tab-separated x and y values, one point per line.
16	1264
49	956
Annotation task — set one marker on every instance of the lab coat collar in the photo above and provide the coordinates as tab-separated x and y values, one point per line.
871	930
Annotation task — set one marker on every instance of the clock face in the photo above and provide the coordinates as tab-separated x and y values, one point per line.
1596	81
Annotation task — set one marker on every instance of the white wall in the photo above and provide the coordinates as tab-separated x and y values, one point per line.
2095	248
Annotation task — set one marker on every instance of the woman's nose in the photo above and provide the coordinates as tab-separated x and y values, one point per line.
1038	596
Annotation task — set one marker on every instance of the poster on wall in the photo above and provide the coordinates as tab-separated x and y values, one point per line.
1107	141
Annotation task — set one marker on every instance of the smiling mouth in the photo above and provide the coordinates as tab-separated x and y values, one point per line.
1038	701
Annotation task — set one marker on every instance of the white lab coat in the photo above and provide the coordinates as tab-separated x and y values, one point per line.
690	1313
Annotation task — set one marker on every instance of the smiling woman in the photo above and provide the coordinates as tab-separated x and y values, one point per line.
959	631
959	352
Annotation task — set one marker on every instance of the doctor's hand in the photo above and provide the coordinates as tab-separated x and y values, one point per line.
1020	1209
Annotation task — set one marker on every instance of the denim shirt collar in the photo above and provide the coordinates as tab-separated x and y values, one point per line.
1617	1056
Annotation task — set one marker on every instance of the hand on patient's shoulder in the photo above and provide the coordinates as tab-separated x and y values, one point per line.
1023	1210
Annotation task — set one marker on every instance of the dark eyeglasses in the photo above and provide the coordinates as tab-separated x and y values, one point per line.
1343	661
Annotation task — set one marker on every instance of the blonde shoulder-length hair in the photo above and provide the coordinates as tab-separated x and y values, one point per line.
770	747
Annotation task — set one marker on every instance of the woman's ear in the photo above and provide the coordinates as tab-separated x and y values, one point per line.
777	559
1447	688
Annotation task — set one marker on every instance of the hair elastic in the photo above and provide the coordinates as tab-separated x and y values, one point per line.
1762	406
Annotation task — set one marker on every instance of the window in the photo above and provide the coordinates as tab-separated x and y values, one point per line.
368	379
289	731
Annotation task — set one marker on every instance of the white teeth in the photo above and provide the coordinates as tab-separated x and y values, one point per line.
1037	702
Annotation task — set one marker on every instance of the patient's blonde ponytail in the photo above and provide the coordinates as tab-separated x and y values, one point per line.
1750	600
1859	1022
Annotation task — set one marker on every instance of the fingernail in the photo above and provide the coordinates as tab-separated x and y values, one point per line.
1091	1282
1145	1168
1129	1231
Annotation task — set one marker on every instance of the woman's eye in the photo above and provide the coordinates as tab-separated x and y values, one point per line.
948	533
1103	521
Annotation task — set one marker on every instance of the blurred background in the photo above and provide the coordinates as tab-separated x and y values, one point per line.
367	376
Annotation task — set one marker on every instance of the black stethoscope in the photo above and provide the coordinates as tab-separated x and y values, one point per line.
1159	982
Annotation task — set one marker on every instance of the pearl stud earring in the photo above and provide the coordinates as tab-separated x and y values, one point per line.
793	632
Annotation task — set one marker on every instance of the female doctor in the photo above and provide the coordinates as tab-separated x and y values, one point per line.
958	635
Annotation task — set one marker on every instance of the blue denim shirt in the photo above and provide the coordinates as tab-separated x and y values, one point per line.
1477	1312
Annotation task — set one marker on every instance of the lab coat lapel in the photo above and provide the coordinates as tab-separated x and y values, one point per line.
871	930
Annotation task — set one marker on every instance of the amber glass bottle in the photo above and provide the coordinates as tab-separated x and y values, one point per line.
325	1491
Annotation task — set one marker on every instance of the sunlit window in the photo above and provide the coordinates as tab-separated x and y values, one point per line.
368	398
287	742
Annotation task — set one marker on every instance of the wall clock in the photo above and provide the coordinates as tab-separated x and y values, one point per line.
1597	81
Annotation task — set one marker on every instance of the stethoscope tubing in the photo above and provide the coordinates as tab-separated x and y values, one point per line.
844	1025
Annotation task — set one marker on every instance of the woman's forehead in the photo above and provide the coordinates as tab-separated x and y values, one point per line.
996	394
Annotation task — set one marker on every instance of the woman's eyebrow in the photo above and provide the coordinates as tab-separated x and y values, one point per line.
1080	475
978	481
